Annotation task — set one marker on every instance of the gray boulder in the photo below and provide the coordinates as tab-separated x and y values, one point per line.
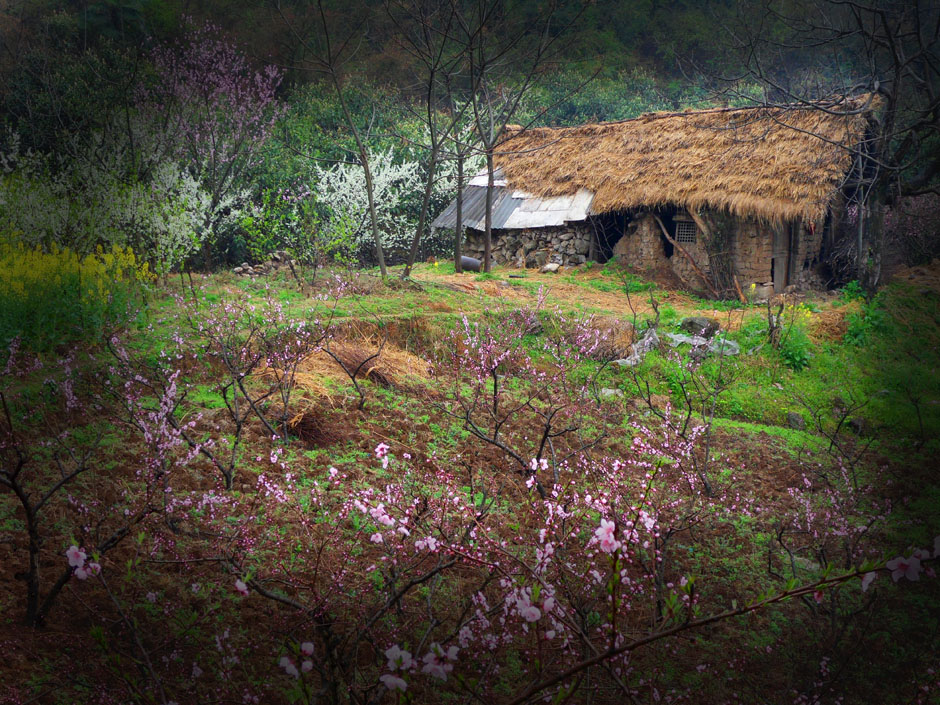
796	420
700	326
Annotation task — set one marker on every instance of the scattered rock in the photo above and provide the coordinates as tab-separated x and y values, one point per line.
238	270
795	420
611	393
700	345
700	326
677	339
550	268
761	293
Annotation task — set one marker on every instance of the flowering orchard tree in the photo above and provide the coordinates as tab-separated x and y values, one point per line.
427	583
222	112
49	446
343	188
548	415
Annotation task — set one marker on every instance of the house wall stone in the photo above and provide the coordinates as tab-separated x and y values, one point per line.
643	248
568	244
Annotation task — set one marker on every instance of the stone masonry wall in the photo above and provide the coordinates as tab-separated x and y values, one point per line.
568	244
642	248
753	251
752	240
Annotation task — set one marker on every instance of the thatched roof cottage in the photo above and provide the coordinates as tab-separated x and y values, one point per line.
714	197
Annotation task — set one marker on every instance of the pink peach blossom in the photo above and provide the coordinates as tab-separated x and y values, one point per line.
904	567
393	682
531	613
76	556
398	659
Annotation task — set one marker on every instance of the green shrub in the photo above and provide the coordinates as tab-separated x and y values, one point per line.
864	325
796	349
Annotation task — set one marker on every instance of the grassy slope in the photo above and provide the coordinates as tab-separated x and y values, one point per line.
880	358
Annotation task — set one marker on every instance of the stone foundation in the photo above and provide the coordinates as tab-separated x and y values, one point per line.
535	247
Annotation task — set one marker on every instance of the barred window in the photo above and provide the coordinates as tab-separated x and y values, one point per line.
685	231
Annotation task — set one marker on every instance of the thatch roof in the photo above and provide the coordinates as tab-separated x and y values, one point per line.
772	163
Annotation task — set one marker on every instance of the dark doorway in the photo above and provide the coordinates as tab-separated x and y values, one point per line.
608	229
668	218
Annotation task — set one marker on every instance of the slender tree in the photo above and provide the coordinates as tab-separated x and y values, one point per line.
326	52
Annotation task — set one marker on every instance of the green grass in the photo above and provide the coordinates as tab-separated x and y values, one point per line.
793	440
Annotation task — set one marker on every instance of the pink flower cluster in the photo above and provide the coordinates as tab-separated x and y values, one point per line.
909	567
306	664
381	452
76	557
437	661
605	536
398	660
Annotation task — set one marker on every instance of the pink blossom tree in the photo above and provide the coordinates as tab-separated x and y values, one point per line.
222	112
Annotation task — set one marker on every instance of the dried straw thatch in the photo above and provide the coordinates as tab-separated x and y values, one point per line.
772	163
393	367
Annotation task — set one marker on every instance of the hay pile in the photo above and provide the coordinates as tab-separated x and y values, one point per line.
616	338
926	276
772	163
830	324
393	367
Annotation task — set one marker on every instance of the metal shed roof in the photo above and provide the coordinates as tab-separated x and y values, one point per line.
513	208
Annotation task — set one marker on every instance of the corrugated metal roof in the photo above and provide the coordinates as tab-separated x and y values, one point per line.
514	208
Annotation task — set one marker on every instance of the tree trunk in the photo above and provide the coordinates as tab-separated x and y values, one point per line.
423	216
488	217
32	576
364	158
370	192
458	226
871	240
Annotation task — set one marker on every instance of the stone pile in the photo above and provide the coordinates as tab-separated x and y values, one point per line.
535	247
279	260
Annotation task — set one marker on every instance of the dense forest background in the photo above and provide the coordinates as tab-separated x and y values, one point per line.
203	134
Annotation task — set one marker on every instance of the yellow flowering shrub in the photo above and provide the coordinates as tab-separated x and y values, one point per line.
47	297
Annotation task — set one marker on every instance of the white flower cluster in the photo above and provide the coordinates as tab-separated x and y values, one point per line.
89	199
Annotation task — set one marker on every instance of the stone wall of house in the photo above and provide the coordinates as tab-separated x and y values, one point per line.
642	247
567	244
753	248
